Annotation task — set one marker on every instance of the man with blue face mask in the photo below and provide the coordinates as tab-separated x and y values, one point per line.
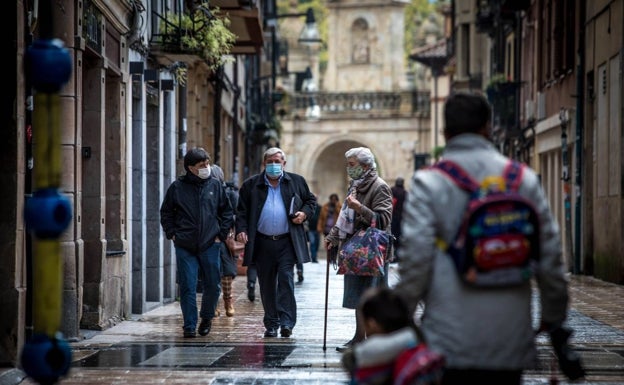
194	214
272	207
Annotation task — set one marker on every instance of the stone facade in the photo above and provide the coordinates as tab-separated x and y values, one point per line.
366	66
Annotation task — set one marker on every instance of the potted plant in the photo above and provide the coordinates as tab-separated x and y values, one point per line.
500	85
203	32
501	93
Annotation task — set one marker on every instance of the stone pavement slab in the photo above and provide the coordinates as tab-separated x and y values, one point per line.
149	349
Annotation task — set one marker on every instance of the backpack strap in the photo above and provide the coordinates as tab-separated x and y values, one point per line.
458	175
513	175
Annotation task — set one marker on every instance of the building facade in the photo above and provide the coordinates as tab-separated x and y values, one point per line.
131	109
364	99
552	70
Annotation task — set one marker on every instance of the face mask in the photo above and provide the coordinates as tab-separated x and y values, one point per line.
203	173
355	172
274	170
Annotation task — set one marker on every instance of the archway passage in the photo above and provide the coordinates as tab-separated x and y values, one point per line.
328	170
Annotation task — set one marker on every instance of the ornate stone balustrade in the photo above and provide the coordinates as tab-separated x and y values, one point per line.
353	104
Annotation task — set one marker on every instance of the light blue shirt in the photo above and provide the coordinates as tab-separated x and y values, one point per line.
273	218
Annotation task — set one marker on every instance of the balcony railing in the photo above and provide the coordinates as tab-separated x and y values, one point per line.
376	104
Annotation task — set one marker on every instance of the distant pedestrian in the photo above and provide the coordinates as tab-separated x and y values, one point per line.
486	334
313	241
252	277
313	233
369	198
194	214
399	193
228	260
328	215
272	207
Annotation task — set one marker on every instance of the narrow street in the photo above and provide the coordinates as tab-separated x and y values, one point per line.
151	350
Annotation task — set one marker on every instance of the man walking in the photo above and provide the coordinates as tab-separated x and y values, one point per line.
272	207
194	214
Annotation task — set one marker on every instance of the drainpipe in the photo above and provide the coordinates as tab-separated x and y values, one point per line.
182	119
578	142
236	126
565	178
28	328
217	116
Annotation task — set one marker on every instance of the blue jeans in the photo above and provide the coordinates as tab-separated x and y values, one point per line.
207	263
315	239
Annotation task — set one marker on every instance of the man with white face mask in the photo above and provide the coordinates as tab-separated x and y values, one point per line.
194	213
272	207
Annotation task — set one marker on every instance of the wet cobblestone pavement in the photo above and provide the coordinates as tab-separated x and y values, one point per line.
151	350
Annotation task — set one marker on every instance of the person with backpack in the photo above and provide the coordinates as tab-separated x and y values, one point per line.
477	308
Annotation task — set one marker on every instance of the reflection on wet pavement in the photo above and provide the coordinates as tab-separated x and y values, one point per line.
252	356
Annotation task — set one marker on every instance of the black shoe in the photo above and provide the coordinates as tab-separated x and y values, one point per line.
344	347
251	292
204	326
189	334
286	331
270	333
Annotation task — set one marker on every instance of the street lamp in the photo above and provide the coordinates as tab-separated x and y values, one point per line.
309	37
310	32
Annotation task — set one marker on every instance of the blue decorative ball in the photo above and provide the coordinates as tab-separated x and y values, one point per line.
46	359
49	65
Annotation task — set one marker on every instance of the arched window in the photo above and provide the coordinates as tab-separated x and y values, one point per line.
360	44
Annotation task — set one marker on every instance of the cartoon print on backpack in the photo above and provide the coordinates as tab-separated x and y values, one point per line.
497	243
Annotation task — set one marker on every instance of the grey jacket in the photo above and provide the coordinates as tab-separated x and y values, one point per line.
475	328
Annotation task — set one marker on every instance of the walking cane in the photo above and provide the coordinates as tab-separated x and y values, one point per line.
331	255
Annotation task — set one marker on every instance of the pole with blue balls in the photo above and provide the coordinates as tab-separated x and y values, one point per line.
46	356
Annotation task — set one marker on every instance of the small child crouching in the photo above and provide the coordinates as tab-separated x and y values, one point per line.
393	352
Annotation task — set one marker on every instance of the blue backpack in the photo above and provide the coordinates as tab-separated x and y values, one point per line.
497	244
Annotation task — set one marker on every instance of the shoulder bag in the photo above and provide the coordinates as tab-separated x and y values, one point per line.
365	252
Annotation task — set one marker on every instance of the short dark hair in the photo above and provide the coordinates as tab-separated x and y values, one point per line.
194	156
386	307
466	112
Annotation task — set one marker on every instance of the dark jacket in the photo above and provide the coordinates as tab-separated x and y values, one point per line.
196	211
252	196
398	199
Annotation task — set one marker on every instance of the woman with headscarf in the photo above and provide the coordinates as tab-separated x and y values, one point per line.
369	198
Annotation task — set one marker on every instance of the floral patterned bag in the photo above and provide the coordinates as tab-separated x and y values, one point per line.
364	253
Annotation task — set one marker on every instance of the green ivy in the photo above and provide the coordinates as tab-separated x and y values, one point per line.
205	33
